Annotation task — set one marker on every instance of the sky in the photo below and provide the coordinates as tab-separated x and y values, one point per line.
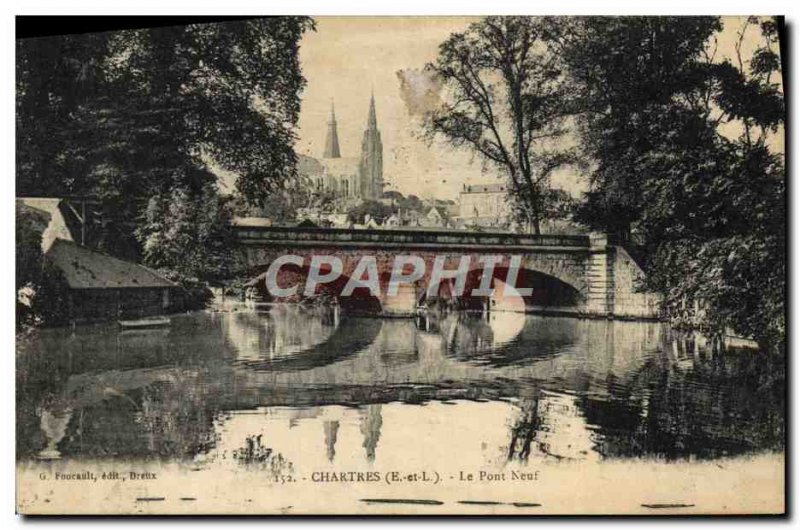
348	57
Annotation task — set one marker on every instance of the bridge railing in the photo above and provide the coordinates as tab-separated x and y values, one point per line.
373	237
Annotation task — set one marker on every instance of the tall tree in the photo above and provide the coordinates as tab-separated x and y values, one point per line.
716	217
627	73
505	103
132	115
657	111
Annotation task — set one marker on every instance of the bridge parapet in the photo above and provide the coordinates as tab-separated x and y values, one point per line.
259	235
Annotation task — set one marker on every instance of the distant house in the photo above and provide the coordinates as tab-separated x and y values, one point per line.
489	224
485	205
102	287
436	217
410	217
371	222
452	209
338	220
392	221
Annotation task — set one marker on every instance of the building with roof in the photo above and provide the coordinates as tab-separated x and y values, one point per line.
348	177
102	287
435	217
484	204
393	221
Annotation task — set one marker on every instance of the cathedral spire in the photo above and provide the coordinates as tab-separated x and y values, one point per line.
371	167
332	138
372	121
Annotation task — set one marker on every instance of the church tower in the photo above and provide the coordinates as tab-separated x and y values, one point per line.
332	138
371	166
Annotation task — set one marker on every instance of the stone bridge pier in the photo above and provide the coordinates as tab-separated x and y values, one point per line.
578	275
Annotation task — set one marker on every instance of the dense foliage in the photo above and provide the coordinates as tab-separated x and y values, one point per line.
657	108
282	206
682	148
28	249
507	103
393	202
628	73
41	291
374	209
138	119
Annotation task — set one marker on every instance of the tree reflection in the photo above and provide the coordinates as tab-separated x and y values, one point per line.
693	402
371	421
331	428
254	454
524	429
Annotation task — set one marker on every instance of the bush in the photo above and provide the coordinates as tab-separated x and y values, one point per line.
195	294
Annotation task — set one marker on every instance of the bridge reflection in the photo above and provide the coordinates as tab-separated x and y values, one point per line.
294	337
280	330
543	292
507	388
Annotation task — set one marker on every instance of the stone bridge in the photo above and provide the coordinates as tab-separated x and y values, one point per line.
579	275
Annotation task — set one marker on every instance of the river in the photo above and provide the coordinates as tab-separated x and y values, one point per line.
291	391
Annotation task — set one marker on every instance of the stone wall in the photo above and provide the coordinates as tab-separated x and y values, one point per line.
629	300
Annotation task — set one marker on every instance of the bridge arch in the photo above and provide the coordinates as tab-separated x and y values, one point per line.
361	300
548	290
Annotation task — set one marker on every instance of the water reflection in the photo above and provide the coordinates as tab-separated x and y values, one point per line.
331	433
269	389
551	425
295	337
281	331
54	426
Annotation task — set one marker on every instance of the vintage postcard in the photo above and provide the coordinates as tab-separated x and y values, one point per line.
401	265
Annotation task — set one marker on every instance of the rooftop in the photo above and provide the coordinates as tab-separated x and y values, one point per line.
86	269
